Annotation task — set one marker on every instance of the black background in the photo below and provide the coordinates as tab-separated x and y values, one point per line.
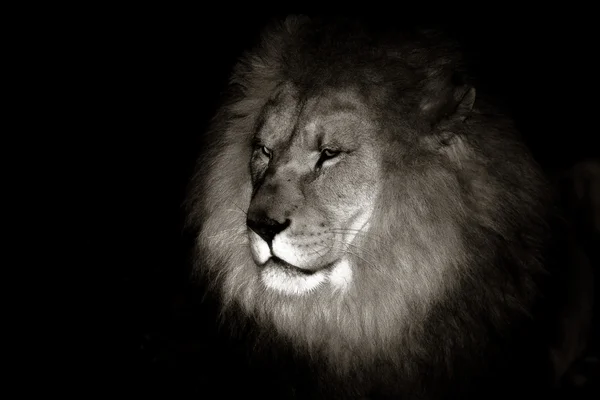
154	78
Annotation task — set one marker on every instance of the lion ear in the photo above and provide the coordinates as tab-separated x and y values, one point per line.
453	106
466	100
450	111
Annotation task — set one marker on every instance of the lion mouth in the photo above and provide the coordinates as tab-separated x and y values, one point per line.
276	262
288	279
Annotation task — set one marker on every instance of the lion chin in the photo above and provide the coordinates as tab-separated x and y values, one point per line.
359	204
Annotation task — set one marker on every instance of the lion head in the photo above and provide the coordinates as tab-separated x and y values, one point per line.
359	198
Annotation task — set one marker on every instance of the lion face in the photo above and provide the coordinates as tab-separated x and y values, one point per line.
315	178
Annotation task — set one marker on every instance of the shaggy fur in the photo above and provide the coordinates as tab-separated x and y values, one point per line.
446	276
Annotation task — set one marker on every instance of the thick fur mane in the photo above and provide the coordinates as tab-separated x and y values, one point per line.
451	264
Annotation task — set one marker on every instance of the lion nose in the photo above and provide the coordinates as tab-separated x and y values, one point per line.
267	228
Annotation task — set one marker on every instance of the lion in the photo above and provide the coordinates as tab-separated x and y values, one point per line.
376	219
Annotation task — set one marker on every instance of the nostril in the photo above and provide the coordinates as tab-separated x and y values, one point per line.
267	228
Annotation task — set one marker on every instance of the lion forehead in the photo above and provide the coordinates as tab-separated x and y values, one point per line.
329	118
279	115
337	114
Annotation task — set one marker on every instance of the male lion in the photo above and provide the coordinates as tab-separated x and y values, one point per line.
360	205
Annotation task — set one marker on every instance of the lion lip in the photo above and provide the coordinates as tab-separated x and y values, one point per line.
279	263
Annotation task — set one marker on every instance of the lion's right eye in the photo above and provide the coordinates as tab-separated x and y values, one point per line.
326	156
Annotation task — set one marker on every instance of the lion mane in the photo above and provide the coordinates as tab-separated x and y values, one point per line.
446	277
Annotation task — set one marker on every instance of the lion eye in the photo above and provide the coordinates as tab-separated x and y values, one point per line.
328	153
266	151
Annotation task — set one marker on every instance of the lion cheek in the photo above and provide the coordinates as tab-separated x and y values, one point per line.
305	254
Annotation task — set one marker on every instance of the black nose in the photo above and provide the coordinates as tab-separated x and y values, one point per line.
266	228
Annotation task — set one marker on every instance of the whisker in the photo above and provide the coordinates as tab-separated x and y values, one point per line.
357	232
232	231
240	210
367	252
348	251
